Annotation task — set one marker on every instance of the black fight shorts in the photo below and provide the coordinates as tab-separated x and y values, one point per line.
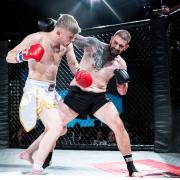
84	102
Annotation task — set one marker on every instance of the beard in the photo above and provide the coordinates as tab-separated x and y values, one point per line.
114	52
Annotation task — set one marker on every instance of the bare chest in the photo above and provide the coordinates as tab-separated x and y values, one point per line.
108	68
53	56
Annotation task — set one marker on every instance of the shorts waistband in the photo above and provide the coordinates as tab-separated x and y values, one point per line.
50	86
79	90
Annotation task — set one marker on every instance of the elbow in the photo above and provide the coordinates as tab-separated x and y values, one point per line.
10	59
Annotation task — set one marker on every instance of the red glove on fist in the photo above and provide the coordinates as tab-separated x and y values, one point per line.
83	78
35	52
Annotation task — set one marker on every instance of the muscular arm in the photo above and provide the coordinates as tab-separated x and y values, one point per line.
121	88
12	54
82	42
71	59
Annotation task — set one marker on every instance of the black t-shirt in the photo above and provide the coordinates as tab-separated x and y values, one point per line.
172	3
157	4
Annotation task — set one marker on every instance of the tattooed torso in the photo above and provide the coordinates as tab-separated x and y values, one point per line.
98	61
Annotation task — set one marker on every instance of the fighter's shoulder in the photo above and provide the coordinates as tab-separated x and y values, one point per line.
105	46
99	42
34	37
93	40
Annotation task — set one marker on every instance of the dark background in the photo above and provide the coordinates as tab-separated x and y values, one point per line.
21	16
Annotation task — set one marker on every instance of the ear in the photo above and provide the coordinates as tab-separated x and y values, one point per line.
126	47
112	37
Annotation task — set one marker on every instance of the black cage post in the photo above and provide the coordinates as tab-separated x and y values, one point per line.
4	96
162	104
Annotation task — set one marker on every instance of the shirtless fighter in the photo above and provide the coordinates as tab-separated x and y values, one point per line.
102	61
43	52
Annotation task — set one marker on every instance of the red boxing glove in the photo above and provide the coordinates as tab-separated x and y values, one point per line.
83	78
35	52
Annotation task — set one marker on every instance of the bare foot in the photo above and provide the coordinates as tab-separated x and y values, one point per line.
137	174
26	156
38	172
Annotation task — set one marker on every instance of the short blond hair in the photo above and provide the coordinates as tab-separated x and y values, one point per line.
124	34
68	22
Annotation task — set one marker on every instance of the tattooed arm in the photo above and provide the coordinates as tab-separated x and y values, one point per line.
99	49
82	42
121	87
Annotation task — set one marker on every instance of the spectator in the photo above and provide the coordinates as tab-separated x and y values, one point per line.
111	138
170	6
163	7
99	139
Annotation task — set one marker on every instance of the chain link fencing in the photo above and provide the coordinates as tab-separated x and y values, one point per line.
136	108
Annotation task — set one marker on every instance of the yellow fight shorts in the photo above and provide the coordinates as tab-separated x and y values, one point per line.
37	95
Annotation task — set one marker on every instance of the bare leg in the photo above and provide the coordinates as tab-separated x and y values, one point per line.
46	145
48	160
60	133
55	121
110	116
28	153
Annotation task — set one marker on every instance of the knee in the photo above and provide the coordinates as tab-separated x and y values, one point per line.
57	130
118	127
64	131
60	130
